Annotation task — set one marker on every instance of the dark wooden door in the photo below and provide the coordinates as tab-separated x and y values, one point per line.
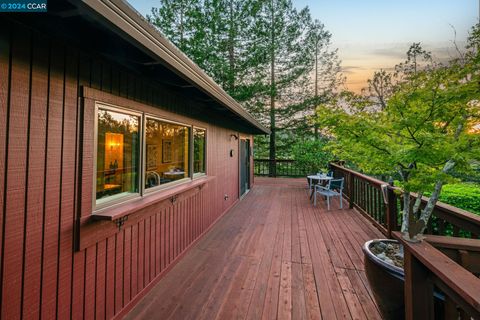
244	166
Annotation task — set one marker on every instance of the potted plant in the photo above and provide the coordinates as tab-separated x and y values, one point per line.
417	124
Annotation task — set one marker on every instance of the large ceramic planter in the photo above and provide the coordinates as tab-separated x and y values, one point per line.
386	282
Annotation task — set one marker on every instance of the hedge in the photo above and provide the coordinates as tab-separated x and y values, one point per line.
462	195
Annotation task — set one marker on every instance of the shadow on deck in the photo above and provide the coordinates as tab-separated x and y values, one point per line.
272	256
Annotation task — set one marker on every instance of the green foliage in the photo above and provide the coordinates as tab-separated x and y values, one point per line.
260	150
177	19
424	125
274	59
313	87
422	132
312	154
218	35
462	195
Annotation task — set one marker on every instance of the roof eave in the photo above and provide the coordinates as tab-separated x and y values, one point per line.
131	23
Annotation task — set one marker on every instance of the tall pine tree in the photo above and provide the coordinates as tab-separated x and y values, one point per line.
178	20
264	53
325	77
286	33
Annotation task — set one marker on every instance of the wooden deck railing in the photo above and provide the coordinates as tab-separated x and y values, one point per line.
365	194
446	265
438	286
379	202
441	274
280	168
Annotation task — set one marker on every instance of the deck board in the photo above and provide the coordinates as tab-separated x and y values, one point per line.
272	256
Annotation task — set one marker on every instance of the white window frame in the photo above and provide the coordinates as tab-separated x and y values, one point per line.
199	174
144	149
118	198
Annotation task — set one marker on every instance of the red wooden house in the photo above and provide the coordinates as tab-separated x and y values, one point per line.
116	154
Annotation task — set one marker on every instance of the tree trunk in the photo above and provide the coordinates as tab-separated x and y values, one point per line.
231	51
316	87
272	94
316	69
427	211
181	27
406	212
418	202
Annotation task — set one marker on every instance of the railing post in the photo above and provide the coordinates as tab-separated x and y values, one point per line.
272	172
418	290
351	187
391	211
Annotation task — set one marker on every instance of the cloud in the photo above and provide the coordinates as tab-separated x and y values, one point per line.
362	60
394	52
441	51
446	53
352	69
389	69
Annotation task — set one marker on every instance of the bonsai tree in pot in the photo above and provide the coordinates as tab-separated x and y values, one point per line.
424	127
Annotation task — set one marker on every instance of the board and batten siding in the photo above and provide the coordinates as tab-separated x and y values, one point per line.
42	188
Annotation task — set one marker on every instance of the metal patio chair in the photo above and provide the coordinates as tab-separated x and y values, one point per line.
334	188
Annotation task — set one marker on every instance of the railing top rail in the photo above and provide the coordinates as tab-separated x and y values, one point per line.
452	274
453	243
440	206
277	160
464	214
372	180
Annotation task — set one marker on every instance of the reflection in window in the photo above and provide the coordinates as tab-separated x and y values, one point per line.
198	150
118	151
166	157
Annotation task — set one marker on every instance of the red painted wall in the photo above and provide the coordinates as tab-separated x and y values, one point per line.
45	190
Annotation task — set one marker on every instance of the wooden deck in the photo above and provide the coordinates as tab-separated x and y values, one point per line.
273	256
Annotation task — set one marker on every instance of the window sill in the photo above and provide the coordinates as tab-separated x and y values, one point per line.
199	175
125	209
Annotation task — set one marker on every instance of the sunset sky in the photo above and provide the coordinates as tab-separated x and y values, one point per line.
374	34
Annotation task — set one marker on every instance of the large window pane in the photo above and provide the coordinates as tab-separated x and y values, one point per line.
198	150
167	152
118	150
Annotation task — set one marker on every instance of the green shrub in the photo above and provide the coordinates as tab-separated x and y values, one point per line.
312	155
462	195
